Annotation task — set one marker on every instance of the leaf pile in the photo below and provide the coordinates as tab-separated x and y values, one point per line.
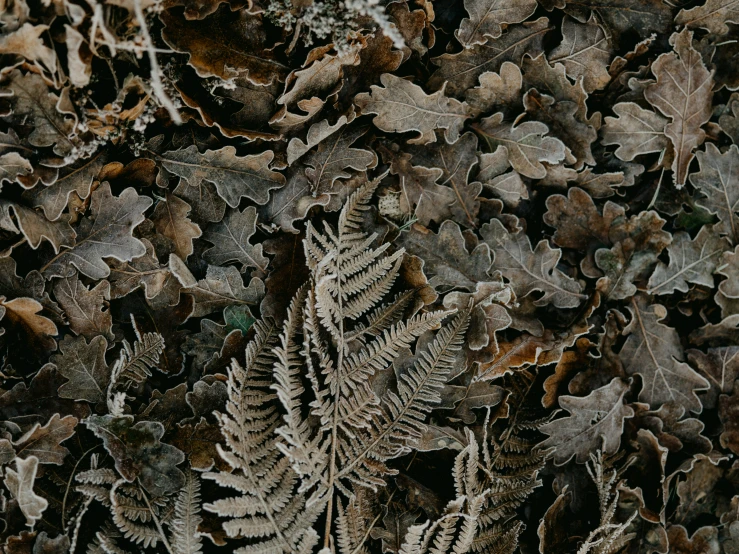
364	277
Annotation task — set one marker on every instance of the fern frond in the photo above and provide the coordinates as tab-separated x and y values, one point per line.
134	364
184	536
270	511
382	317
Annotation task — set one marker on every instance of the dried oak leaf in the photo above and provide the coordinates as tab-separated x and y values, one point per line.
85	308
526	144
720	366
230	239
160	287
139	453
462	70
44	442
445	256
225	45
718	183
403	107
620	17
595	421
106	233
34	226
292	202
636	131
500	90
75	178
456	162
83	364
26	41
560	118
585	51
712	15
638	242
333	156
170	220
20	482
12	164
530	270
222	287
23	313
487	19
34	105
653	350
683	92
234	177
703	541
691	261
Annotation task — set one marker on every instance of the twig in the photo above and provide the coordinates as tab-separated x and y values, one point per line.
156	72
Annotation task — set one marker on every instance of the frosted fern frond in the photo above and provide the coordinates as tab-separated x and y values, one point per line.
134	364
353	524
455	530
184	536
269	512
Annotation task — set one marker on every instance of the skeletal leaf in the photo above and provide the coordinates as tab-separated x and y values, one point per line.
234	177
683	92
403	106
636	131
170	219
230	240
595	422
107	233
486	18
712	15
585	51
528	269
653	351
20	482
691	261
83	364
526	144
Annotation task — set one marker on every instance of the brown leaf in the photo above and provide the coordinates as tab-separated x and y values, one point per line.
585	51
636	130
85	308
653	350
526	144
45	442
402	107
595	421
712	15
83	364
170	219
224	44
683	92
488	17
462	70
718	182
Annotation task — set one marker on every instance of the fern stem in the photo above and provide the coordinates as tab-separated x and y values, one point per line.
155	519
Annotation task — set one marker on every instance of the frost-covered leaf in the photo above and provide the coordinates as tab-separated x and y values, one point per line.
230	239
653	351
683	92
106	233
20	482
691	261
487	18
636	131
84	366
233	176
403	106
526	144
170	220
44	442
712	15
528	269
594	422
585	51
